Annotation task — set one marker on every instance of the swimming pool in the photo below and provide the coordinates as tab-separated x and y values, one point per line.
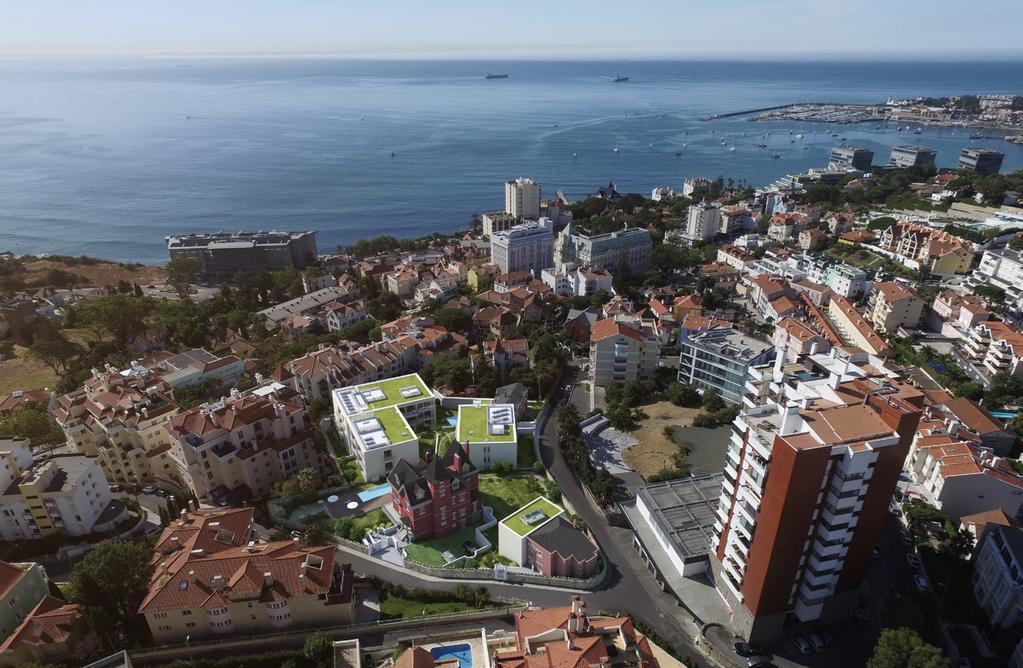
453	420
461	651
374	492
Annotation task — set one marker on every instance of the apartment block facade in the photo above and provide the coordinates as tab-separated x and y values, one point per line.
630	247
222	255
621	353
237	448
719	360
526	247
806	492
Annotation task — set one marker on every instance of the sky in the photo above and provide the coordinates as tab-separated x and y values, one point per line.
518	29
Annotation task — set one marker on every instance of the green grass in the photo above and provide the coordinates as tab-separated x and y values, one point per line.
430	551
516	524
392	389
525	457
472	426
395	607
371	519
394	424
508	492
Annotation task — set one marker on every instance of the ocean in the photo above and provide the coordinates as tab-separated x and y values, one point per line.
107	157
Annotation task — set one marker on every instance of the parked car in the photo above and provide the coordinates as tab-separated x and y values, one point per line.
115	488
904	536
922	583
149	489
749	649
759	662
816	641
913	561
803	645
877	552
895	510
828	638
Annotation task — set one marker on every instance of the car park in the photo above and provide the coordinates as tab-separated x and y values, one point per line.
922	583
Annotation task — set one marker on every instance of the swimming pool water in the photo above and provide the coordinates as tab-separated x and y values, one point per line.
374	492
461	651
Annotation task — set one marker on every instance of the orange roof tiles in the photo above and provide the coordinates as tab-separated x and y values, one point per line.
609	327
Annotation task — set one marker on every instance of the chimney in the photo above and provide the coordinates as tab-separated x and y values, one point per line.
953	427
301	580
790	419
218	582
268	579
576	605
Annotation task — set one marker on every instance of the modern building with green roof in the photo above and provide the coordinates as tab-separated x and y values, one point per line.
487	430
376	421
513	530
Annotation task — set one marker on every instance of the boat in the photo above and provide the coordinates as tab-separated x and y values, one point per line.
977	135
678	152
615	149
731	148
776	155
619	78
918	131
496	76
393	154
575	155
761	145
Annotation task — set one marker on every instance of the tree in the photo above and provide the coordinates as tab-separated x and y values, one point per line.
454	319
54	350
684	394
31	421
904	648
384	308
959	545
712	401
318	649
308	480
109	584
315	534
448	371
182	272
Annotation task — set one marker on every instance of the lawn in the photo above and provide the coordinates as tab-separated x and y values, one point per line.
525	457
24	372
396	607
473	426
394	424
517	524
508	492
430	551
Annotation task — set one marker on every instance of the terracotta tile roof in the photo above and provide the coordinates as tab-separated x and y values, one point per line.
979	521
893	291
10	576
51	621
15	400
704	322
973	416
609	327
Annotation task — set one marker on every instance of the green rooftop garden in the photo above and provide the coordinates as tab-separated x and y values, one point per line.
516	523
473	427
394	424
392	388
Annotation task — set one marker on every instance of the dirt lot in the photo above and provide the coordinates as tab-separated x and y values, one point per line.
94	275
655	450
22	372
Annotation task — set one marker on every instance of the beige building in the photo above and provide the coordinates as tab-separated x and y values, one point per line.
621	353
996	345
522	198
944	253
854	328
210	578
118	417
315	374
237	448
892	306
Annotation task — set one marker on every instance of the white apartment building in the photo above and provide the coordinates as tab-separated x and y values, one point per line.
60	494
1001	268
998	575
572	281
237	448
703	223
522	198
497	221
846	280
996	345
526	247
375	420
735	218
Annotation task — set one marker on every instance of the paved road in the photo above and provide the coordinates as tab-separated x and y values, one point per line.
631	588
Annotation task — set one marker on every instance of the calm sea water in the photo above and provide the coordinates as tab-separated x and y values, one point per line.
106	157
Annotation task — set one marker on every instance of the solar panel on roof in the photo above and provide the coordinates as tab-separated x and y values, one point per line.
409	392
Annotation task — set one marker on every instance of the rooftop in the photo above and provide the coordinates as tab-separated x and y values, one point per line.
486	423
382	427
383	393
531	516
684	511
